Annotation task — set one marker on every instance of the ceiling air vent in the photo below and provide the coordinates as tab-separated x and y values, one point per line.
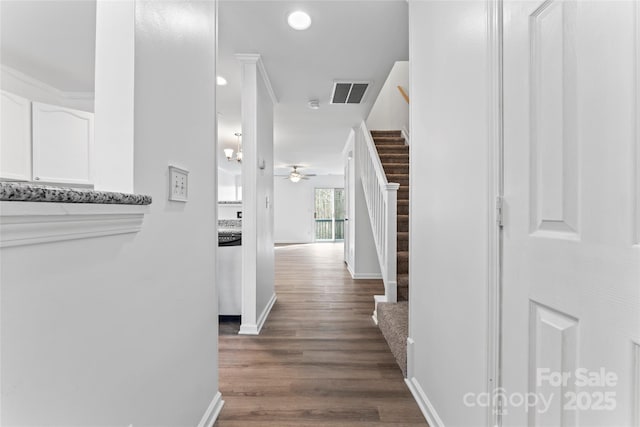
348	92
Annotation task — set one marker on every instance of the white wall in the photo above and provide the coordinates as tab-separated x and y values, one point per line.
391	111
294	206
449	206
115	49
362	257
226	211
122	330
258	277
264	201
227	185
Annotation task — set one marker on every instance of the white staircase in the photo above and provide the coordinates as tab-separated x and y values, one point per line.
381	199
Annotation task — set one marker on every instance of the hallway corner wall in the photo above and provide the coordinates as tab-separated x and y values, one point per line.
362	256
258	256
450	169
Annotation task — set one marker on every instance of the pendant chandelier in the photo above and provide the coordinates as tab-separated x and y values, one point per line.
228	152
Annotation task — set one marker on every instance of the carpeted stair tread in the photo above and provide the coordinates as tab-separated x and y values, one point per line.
391	168
403	279
402	262
394	158
403	241
376	133
389	140
403	287
402	223
393	320
403	293
392	149
403	207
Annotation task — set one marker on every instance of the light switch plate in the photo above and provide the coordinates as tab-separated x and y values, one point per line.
178	184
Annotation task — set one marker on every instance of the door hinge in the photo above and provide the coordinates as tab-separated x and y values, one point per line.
499	211
499	411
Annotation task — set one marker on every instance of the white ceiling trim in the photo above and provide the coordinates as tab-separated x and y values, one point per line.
39	84
255	58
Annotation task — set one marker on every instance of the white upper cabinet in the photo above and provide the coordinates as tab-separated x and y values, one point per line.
15	137
62	144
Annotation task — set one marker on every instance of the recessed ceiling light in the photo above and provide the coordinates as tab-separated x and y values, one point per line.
221	81
299	20
314	104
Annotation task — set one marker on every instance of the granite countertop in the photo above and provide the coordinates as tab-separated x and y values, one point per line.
26	192
229	230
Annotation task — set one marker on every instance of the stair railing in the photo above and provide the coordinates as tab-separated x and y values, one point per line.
381	199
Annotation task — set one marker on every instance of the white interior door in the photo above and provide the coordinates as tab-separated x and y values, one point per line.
347	196
571	260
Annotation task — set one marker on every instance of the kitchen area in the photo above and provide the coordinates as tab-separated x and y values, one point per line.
229	260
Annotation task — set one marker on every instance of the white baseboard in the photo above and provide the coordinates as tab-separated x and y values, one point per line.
376	300
350	270
266	311
410	359
366	275
355	275
211	415
255	329
429	412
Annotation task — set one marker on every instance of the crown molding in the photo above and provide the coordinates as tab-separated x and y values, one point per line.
39	84
256	58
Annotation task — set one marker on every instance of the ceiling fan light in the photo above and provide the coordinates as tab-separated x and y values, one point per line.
295	177
239	156
228	153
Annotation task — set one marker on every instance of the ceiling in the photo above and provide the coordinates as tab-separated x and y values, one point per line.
52	41
354	40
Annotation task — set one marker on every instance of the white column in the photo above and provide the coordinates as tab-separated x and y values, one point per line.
258	279
115	47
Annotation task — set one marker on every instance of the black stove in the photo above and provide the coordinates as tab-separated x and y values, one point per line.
230	239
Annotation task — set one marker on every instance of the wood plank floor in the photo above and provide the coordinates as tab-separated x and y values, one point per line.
319	360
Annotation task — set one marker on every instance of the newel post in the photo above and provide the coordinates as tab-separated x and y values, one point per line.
391	243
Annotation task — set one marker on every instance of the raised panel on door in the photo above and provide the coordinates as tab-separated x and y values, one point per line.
553	345
15	142
62	144
553	129
571	271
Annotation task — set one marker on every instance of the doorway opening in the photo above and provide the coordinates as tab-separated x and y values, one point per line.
329	214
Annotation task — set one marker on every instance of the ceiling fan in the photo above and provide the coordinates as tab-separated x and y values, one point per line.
296	176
